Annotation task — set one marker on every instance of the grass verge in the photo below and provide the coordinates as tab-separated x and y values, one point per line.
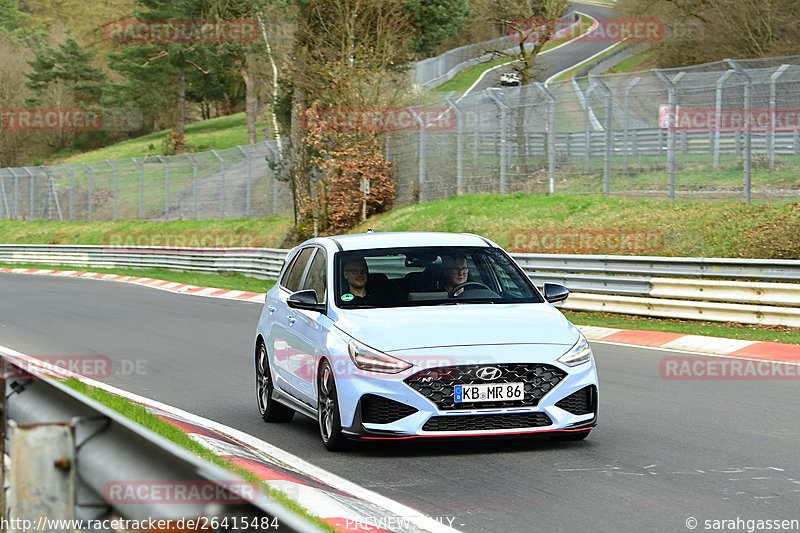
225	280
730	330
141	416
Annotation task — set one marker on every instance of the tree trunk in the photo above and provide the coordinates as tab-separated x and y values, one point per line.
250	107
181	122
300	167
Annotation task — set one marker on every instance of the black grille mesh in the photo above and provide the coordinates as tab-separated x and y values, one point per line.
580	402
438	384
380	410
487	422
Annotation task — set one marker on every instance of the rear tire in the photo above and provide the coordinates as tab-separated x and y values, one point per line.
269	409
330	423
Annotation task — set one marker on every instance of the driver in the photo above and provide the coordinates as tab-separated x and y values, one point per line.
455	272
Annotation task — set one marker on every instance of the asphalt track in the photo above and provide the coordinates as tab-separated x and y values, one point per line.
664	450
559	58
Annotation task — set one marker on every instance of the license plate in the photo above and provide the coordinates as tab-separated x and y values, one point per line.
490	392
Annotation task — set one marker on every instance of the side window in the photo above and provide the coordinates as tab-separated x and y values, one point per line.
316	278
291	280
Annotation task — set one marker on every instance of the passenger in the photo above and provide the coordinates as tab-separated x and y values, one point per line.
456	272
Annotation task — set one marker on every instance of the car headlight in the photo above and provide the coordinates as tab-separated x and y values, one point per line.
367	358
580	353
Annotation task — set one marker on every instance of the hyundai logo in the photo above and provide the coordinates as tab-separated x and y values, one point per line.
488	373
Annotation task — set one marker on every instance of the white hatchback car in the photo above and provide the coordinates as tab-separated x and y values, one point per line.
420	335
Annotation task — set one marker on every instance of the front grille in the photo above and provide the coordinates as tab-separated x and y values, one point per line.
438	384
487	422
380	410
579	402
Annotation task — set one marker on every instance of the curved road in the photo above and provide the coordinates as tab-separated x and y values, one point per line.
664	451
560	58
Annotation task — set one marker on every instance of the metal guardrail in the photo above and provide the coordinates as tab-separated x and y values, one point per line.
102	447
680	287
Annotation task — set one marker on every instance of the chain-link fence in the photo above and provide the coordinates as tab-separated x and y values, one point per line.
233	183
718	130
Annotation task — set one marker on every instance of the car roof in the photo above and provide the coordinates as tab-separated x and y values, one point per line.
400	239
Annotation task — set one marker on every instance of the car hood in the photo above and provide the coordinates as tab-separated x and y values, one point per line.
408	328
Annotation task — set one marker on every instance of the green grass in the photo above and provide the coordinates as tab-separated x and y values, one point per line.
141	416
214	134
632	63
465	78
262	232
222	280
730	330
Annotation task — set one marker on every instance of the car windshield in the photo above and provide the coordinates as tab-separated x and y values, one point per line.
402	277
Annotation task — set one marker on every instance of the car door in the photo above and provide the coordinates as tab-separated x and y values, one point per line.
304	335
281	323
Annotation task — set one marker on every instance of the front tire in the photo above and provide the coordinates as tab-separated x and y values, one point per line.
269	409
330	425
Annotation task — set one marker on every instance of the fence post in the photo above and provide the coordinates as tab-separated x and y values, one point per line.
165	162
773	102
52	196
718	129
671	125
422	162
30	176
277	154
16	194
111	163
249	178
71	180
141	187
194	182
551	136
608	139
628	90
748	130
5	198
503	109
91	188
459	147
221	184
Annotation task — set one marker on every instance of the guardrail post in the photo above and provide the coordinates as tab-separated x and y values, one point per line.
112	165
91	188
249	178
672	125
773	102
459	147
141	187
422	162
503	109
165	162
30	176
194	182
551	136
628	90
71	180
221	184
748	130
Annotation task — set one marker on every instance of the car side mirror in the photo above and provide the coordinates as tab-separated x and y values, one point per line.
555	293
306	299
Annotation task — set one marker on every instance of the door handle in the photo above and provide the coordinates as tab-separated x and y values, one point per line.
290	319
272	309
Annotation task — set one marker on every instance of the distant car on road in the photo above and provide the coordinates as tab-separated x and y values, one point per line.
420	335
510	78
